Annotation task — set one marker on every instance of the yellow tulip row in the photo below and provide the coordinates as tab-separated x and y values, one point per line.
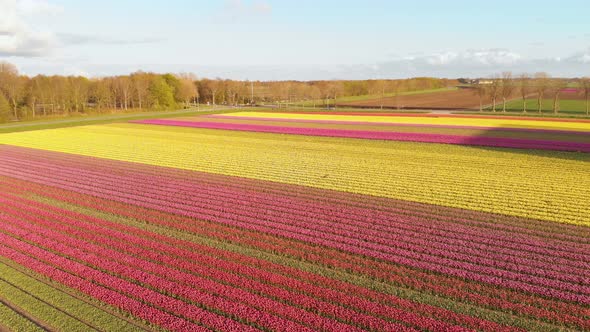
498	122
545	185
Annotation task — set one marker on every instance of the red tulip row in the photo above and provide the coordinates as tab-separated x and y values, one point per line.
189	288
435	283
179	283
102	286
442	259
215	272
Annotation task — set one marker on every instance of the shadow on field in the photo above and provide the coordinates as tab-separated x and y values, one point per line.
567	145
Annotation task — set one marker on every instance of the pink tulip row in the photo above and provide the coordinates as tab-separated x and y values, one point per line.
171	274
354	248
468	116
381	135
133	196
362	218
418	233
298	299
570	234
459	291
407	256
228	192
555	311
386	124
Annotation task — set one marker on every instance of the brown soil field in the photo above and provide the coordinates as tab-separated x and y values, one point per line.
572	95
455	99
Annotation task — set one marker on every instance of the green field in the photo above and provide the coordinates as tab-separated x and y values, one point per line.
567	106
75	121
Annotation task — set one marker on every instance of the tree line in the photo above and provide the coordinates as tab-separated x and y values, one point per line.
24	97
501	88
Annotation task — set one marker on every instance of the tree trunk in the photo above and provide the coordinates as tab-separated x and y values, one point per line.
15	109
540	102
480	103
504	104
494	104
556	103
587	108
524	104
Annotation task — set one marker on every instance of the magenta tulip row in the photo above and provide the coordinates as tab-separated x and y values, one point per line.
358	223
563	314
381	135
492	262
570	235
329	289
112	256
412	254
387	124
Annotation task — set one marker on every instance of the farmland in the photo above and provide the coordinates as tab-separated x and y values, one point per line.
567	106
444	99
297	221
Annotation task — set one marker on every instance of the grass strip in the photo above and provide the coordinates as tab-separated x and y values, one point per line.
12	320
67	307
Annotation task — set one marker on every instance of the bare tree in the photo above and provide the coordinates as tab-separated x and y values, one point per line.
585	88
494	91
141	84
507	88
187	91
315	94
395	87
123	88
541	85
555	87
524	89
481	91
12	85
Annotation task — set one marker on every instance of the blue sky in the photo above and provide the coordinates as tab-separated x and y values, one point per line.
265	39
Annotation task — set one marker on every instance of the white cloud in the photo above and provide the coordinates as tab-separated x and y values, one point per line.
18	36
486	57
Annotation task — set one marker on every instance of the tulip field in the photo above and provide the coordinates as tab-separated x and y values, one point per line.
510	132
261	221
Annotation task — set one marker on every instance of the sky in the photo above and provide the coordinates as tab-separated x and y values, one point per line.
297	39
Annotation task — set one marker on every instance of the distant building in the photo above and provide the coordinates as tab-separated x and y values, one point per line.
482	82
